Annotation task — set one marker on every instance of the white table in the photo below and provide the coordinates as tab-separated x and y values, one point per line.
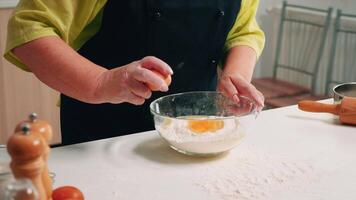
142	166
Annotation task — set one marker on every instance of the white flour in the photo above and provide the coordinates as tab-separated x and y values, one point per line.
177	133
254	175
249	175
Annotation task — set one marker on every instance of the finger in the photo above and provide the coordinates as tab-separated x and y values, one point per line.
241	109
134	99
262	97
257	95
260	108
227	87
150	78
139	89
154	63
246	88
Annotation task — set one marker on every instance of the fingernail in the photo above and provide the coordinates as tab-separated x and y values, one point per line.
170	71
164	88
262	103
236	98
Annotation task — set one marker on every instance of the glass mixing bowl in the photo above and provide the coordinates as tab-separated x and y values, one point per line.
202	123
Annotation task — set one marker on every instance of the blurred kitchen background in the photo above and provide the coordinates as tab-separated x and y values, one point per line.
307	36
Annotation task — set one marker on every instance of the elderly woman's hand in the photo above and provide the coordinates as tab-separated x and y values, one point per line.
235	78
234	84
131	83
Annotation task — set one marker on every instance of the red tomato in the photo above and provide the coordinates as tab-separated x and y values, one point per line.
67	193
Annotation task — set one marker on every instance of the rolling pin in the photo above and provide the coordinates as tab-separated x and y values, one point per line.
43	130
346	110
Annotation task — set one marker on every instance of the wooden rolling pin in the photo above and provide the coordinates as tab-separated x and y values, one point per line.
346	110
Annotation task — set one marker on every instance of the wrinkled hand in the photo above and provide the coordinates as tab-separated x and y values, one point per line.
129	83
233	85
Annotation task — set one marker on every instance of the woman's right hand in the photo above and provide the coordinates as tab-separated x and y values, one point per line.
129	83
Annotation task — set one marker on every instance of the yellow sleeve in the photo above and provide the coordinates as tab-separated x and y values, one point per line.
246	30
33	19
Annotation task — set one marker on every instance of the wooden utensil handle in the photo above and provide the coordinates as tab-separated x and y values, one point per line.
313	106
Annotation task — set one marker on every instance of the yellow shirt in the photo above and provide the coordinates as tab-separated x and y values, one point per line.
76	22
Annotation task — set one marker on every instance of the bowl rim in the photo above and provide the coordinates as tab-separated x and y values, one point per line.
254	110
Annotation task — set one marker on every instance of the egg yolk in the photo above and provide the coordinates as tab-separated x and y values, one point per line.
203	126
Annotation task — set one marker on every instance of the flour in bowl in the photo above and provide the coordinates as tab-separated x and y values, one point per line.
201	134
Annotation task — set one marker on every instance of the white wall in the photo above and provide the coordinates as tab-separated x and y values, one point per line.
8	3
264	67
346	5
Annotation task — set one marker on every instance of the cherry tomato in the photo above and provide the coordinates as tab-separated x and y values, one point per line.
67	193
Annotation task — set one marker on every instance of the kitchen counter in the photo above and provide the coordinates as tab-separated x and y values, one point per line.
287	154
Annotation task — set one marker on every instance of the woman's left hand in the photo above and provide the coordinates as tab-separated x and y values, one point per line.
235	84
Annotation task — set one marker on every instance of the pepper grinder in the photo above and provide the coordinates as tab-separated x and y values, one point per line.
26	150
46	134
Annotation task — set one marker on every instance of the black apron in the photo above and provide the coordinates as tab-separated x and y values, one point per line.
189	35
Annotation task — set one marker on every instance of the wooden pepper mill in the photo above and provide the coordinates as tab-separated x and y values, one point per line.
42	129
26	151
37	125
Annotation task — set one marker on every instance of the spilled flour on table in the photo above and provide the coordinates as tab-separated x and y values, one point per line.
255	175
